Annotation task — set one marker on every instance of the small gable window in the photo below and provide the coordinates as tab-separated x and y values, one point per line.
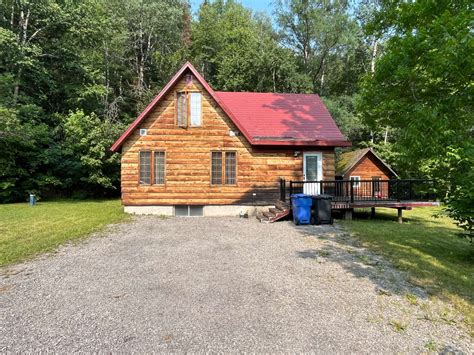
189	109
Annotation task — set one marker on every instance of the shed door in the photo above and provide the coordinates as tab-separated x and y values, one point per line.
312	171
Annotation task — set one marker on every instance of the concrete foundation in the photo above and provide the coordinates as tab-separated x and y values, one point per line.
208	211
157	210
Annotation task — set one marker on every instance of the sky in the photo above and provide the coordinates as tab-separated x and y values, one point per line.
256	5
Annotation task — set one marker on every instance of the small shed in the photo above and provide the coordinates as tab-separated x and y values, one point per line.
363	164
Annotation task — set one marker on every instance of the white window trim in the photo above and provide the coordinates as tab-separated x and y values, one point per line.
313	188
320	164
355	179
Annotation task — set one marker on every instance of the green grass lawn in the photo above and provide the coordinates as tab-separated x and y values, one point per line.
428	249
26	231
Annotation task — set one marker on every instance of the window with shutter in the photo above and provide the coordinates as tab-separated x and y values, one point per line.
145	168
151	168
216	168
159	168
195	108
230	168
224	168
189	109
181	110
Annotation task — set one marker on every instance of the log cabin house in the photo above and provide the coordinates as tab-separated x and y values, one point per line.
195	151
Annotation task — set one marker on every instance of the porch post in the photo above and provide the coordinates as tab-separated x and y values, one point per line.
352	191
282	189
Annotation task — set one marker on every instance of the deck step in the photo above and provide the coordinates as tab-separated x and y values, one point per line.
282	205
262	218
268	214
281	210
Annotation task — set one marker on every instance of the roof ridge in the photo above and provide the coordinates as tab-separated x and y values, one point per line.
266	92
303	117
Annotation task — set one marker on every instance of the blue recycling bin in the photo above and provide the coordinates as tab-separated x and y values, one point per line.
301	205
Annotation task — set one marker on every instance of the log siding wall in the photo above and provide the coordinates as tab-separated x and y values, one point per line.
368	167
188	160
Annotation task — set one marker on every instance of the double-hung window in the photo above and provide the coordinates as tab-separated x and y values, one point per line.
189	109
223	168
152	167
355	181
145	168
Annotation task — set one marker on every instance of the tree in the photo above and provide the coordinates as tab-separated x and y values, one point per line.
319	32
422	86
238	50
88	163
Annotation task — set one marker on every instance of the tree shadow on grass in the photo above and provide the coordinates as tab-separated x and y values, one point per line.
408	258
358	261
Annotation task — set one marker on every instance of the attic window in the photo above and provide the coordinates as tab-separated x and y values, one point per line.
189	109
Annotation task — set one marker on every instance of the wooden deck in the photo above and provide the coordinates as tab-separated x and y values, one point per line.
407	205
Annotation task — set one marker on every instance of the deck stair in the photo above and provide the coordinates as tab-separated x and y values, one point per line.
281	210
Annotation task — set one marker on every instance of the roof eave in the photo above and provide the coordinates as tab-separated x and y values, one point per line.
115	147
358	158
305	143
187	66
384	163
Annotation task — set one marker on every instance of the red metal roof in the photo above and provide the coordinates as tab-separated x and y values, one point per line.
284	119
263	118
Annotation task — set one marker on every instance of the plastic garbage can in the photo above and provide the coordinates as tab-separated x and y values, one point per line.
32	200
301	206
321	210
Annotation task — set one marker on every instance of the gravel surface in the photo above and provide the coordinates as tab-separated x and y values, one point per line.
219	285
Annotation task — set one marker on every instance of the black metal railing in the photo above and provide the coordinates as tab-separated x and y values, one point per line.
363	190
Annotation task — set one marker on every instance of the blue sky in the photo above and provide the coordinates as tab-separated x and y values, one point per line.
255	5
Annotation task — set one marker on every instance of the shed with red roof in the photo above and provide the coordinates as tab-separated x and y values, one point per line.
196	151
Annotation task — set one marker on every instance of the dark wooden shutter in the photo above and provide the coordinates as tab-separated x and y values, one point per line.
181	110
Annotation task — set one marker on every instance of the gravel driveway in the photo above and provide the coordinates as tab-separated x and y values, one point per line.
219	284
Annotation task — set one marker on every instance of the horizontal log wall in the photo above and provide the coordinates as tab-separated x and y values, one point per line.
188	160
368	167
